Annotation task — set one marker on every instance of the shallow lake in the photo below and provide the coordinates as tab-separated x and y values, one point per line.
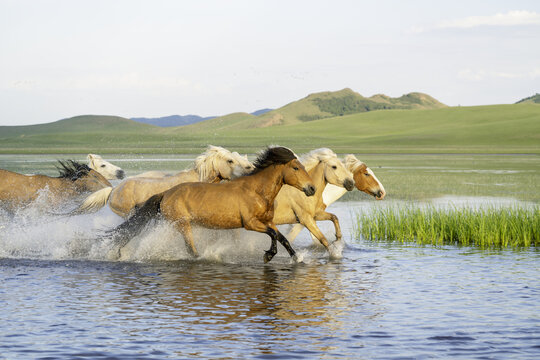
60	297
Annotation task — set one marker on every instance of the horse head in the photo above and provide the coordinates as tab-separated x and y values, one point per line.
364	178
218	163
105	168
244	162
334	170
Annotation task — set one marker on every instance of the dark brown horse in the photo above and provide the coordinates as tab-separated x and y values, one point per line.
246	202
75	178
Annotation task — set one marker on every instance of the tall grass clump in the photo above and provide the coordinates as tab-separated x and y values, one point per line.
489	227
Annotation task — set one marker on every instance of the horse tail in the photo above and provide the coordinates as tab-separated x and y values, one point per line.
132	226
94	201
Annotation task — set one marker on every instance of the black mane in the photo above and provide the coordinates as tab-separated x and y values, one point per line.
274	155
71	169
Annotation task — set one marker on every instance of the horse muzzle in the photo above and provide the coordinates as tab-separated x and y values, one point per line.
120	174
379	195
309	190
348	184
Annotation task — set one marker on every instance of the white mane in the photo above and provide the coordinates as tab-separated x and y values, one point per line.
312	158
352	163
207	163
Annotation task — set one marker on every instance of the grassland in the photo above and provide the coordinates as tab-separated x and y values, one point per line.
480	129
491	227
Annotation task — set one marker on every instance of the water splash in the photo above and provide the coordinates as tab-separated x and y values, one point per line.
31	233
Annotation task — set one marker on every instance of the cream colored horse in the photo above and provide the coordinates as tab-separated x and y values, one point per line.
364	180
105	168
291	206
214	165
74	179
242	160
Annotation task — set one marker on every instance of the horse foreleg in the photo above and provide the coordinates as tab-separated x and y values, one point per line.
311	225
321	216
185	229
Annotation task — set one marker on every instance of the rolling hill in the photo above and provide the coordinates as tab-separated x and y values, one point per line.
319	106
535	99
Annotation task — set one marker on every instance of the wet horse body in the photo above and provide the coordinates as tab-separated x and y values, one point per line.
246	202
75	178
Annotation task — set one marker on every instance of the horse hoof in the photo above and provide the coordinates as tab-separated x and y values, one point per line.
298	259
268	256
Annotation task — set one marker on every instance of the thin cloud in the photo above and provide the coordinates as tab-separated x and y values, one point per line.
511	18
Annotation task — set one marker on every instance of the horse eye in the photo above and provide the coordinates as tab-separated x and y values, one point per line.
334	167
230	161
295	168
367	174
102	165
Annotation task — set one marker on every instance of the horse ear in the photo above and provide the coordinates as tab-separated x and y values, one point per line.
90	158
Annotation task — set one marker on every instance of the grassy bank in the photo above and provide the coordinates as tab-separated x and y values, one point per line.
490	227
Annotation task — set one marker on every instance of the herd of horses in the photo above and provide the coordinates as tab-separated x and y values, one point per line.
222	190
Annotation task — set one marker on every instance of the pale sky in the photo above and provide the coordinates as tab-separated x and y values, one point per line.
63	58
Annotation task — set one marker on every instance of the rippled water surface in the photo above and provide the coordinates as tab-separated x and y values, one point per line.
61	298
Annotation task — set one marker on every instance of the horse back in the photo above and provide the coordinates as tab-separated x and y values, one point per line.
21	188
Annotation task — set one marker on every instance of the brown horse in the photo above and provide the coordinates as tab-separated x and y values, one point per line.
75	178
214	165
246	202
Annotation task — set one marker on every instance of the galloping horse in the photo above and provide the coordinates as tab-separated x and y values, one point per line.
105	168
246	202
364	180
291	206
75	178
214	165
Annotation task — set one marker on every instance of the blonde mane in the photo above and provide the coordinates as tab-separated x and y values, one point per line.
312	158
207	163
352	163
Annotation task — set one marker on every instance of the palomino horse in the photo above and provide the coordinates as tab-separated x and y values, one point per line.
105	168
242	160
75	178
291	206
214	165
364	180
246	202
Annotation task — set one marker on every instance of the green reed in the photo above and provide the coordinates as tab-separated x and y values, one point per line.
488	227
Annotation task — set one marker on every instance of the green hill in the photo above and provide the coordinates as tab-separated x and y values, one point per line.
315	107
535	99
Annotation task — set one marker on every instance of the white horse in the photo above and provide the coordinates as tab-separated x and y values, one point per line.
105	168
214	165
364	180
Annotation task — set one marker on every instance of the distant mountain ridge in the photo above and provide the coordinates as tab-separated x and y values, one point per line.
181	120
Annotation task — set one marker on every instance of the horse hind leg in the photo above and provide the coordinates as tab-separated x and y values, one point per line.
184	228
276	235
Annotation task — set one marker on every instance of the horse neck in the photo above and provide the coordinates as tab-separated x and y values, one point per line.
318	178
267	182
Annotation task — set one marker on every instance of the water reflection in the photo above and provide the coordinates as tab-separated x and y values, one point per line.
262	305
